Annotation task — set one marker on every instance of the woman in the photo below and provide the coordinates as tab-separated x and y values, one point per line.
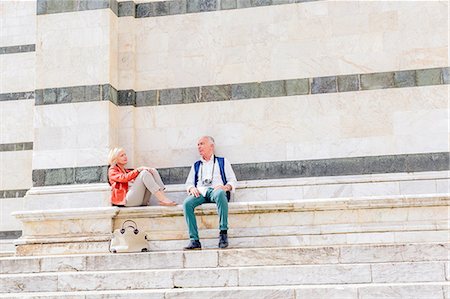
131	188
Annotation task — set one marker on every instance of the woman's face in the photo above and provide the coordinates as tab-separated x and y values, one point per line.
122	159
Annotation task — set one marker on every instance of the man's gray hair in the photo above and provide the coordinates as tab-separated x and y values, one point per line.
210	138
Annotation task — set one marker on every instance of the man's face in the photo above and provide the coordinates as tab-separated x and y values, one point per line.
205	147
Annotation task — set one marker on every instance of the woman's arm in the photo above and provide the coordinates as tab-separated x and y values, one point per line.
116	175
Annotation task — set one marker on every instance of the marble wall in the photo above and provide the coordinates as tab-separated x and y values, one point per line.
286	41
17	84
95	79
18	23
352	124
77	53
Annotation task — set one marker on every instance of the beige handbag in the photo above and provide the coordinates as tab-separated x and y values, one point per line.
128	239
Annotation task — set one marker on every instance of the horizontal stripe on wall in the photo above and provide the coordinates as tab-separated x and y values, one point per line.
13	193
45	7
12	147
14	96
70	176
10	235
153	9
268	170
17	49
240	91
76	94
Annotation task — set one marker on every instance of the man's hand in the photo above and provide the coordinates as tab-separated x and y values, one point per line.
224	188
194	191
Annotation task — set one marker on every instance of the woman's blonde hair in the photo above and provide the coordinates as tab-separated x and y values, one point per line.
113	154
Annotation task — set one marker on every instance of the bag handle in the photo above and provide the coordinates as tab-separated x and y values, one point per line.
135	229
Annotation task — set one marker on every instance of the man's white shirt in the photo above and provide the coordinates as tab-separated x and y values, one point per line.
205	172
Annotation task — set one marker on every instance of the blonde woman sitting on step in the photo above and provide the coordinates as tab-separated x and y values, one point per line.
132	188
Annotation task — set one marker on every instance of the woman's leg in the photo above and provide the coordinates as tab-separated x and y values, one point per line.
147	195
135	195
152	185
157	178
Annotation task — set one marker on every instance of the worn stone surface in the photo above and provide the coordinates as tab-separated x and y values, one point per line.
297	87
177	7
245	91
144	10
12	194
399	253
285	256
405	291
244	3
377	80
323	85
11	265
126	9
86	175
146	98
190	95
409	272
215	93
446	75
109	93
429	77
261	2
127	97
155	260
327	292
63	264
201	5
60	176
293	275
14	96
21	146
161	8
405	79
228	4
121	280
17	49
171	96
348	83
231	293
272	89
205	278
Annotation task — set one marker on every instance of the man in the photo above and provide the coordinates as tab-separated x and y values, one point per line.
211	179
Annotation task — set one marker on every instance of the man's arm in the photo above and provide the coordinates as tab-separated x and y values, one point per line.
231	176
190	184
190	180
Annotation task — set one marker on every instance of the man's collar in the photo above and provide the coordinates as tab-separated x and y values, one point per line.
204	161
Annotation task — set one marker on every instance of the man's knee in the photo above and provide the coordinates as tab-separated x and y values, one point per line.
219	195
188	203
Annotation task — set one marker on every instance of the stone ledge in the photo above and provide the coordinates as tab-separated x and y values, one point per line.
392	219
241	257
348	291
294	206
67	214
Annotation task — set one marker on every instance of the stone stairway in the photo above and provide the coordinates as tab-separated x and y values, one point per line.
353	271
378	247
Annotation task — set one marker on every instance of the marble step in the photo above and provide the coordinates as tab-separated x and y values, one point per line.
326	222
229	258
7	247
347	291
405	272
